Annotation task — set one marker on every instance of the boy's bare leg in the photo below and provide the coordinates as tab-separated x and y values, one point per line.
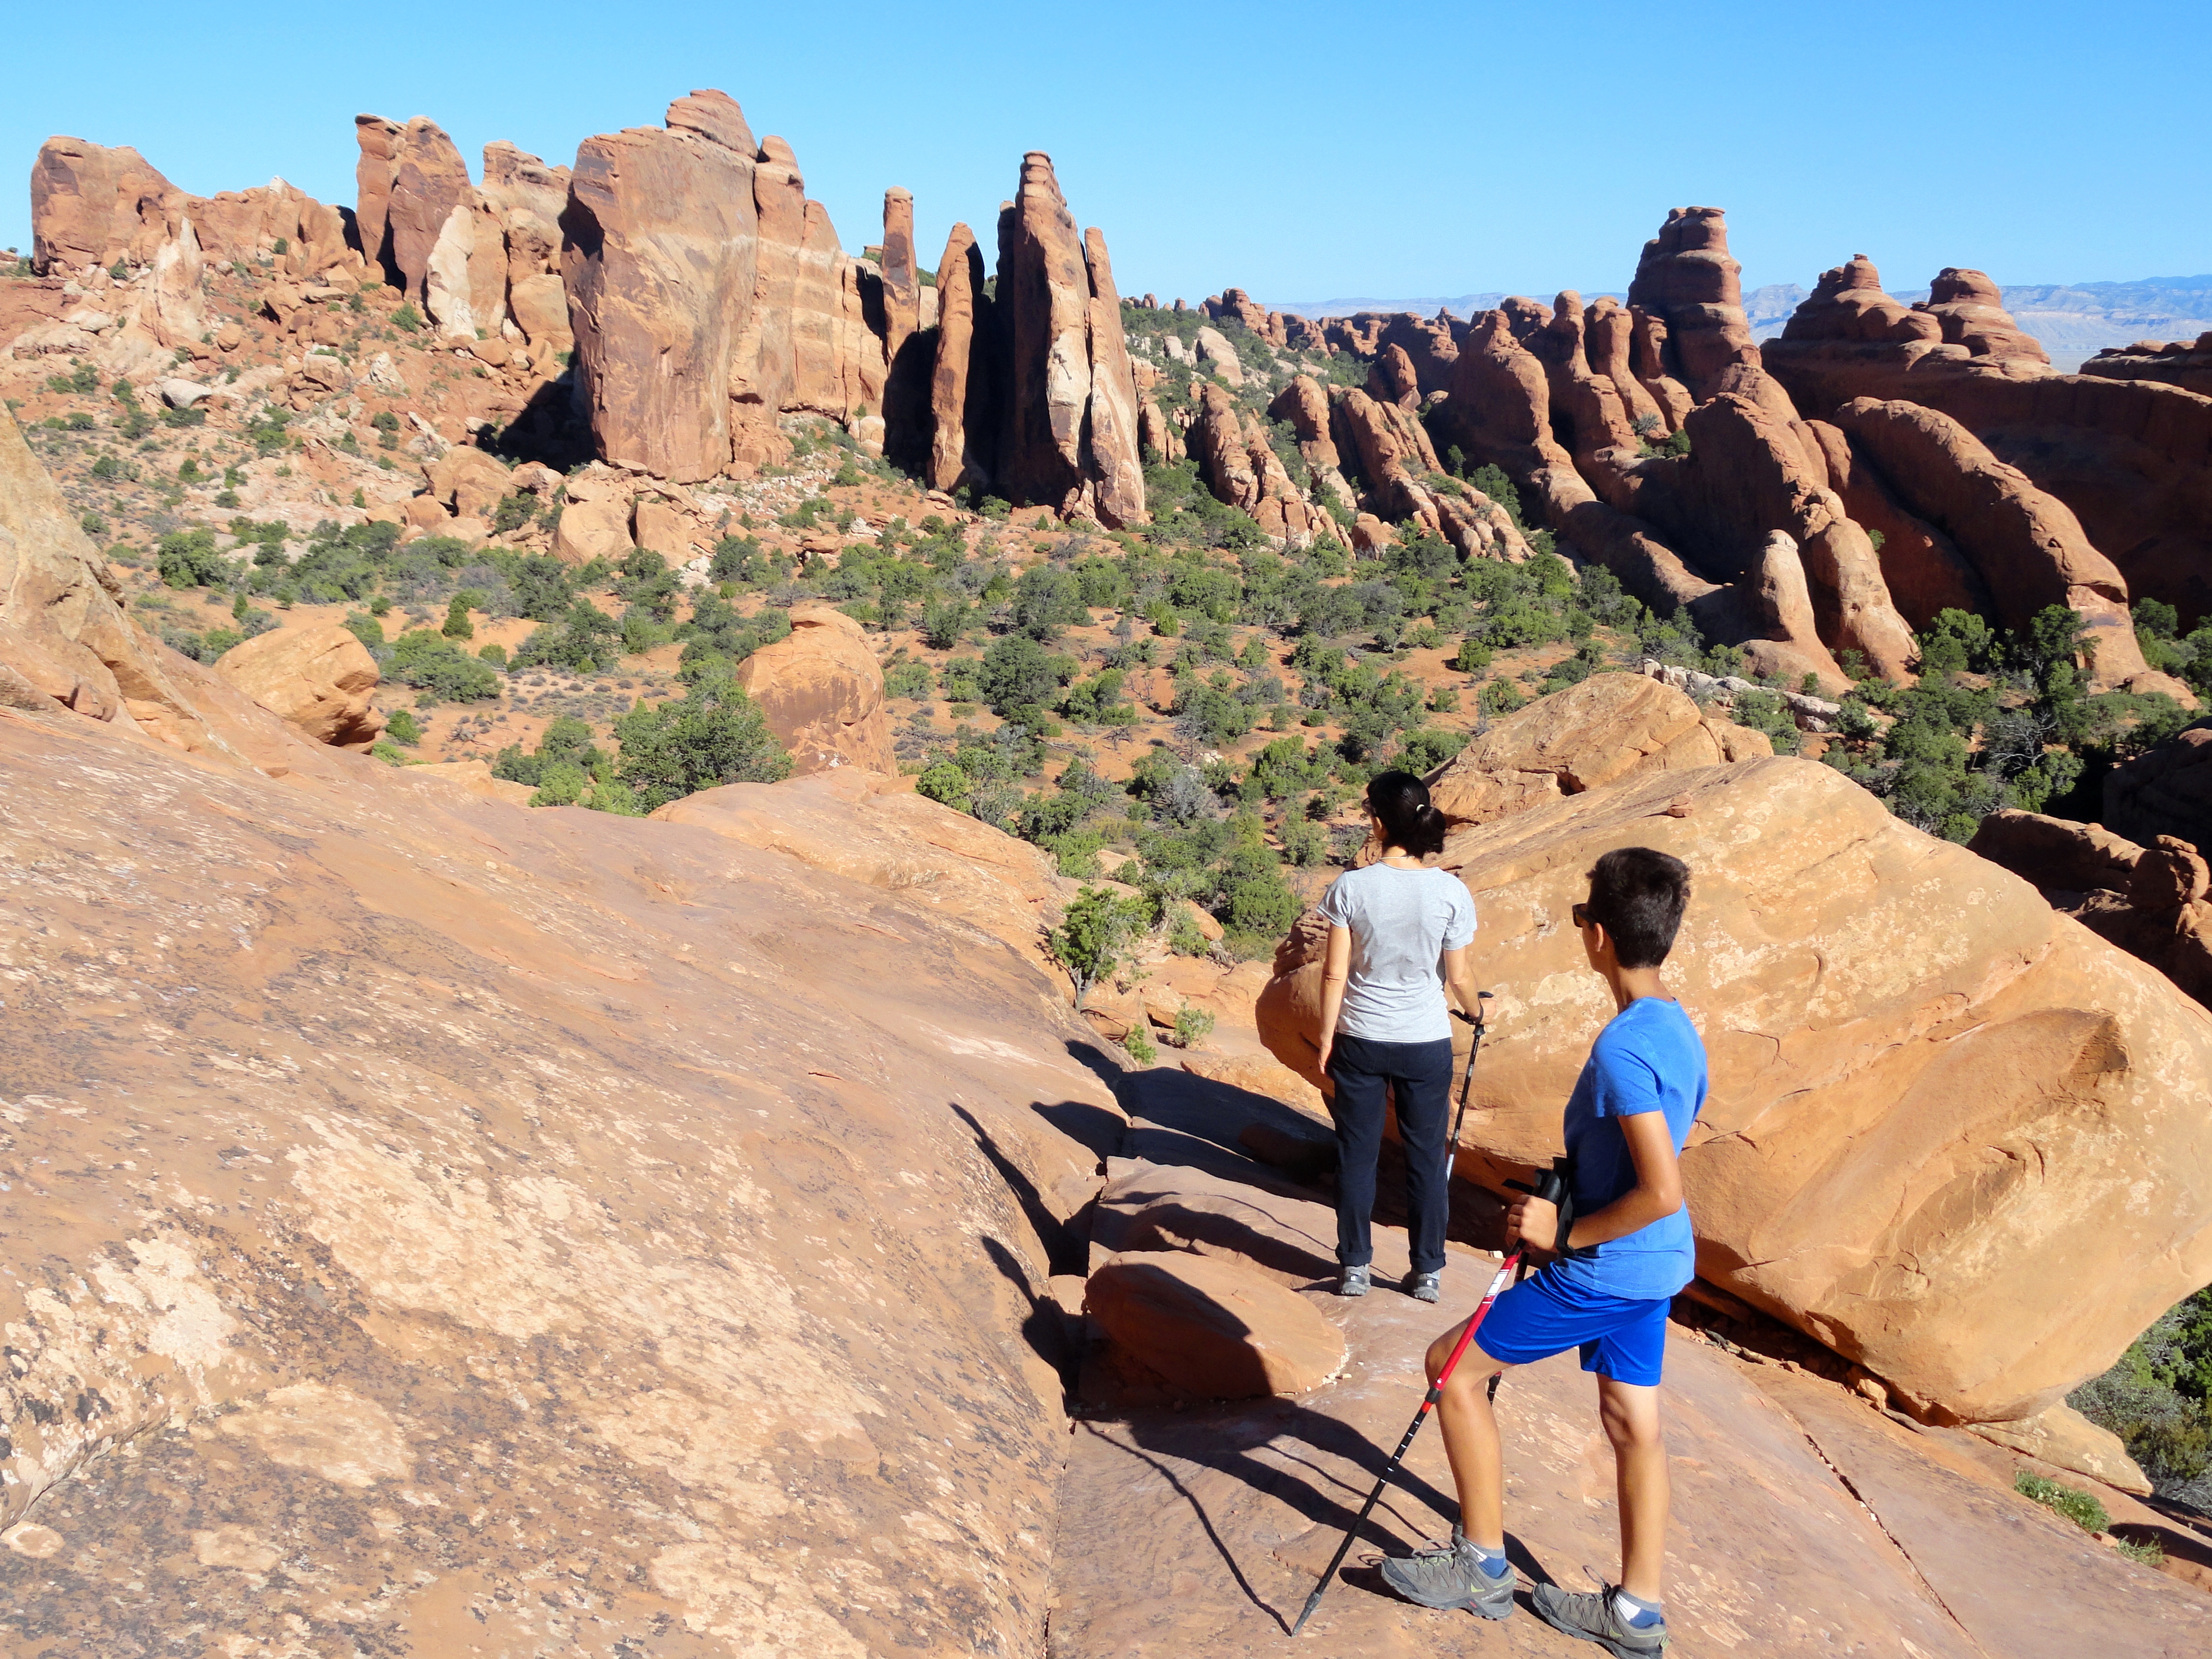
1631	1415
1470	1432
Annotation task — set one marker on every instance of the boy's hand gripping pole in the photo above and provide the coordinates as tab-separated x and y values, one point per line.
1428	1404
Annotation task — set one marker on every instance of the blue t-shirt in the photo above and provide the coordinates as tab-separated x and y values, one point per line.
1648	1059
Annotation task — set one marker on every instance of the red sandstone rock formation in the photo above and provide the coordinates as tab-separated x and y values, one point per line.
1922	568
91	205
2129	459
2167	791
1746	478
959	408
1067	426
821	692
1305	406
1686	279
374	177
430	180
1392	379
660	268
1214	1329
2184	363
2149	901
318	678
1609	343
1609	728
1242	469
2027	544
902	286
1971	312
1649	354
528	198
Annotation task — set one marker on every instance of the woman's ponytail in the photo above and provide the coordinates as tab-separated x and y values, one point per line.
1401	800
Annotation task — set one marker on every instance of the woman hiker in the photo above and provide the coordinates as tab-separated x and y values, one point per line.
1398	935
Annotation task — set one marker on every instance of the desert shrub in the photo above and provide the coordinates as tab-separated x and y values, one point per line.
712	735
2079	1507
585	640
1094	931
435	664
1192	1026
187	558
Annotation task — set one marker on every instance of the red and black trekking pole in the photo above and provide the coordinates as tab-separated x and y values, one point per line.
1428	1404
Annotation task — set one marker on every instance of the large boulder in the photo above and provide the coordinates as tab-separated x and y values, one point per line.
822	691
1213	1327
1607	728
320	678
1951	1134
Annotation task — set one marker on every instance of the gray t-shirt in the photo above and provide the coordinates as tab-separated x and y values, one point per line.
1402	921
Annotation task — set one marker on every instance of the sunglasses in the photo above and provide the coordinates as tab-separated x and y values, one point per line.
1581	914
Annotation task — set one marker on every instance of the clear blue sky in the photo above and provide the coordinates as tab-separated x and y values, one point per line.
1304	152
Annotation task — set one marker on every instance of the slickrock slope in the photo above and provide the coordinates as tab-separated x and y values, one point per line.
437	1227
1805	1520
1933	1098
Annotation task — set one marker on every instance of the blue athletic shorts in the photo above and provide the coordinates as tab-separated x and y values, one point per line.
1621	1337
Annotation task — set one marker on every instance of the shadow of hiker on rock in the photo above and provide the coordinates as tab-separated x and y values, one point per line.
1227	1442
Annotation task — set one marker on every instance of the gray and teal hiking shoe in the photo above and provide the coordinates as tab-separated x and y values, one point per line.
1354	1281
1593	1618
1424	1287
1450	1577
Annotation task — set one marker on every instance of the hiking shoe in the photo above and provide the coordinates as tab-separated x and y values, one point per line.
1450	1577
1592	1618
1354	1281
1424	1287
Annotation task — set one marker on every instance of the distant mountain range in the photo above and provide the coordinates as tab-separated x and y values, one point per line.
2073	320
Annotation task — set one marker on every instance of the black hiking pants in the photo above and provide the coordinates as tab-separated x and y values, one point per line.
1420	1075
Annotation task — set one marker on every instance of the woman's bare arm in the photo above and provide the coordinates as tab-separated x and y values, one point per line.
1335	967
1460	977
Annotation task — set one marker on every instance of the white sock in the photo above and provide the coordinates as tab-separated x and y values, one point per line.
1630	1610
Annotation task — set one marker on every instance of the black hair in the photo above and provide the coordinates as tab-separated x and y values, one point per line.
1637	895
1402	801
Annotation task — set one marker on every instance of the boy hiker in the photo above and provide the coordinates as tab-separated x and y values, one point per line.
1619	1263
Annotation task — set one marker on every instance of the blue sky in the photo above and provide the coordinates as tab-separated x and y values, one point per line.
1304	152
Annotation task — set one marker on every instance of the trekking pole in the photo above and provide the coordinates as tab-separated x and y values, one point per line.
1466	1083
1428	1404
